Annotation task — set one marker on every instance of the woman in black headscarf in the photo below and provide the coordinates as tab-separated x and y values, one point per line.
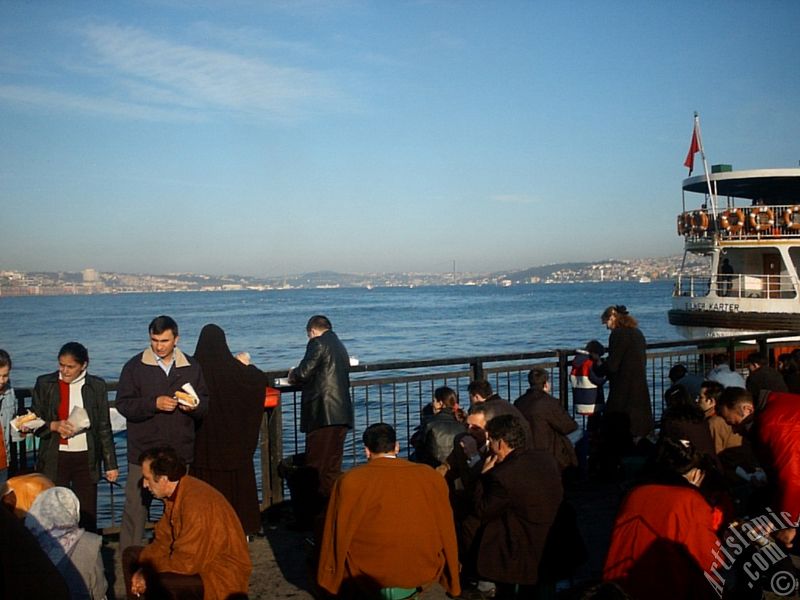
226	439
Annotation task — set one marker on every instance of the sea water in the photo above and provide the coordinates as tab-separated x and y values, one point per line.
376	325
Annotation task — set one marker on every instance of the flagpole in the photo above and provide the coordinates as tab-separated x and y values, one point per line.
711	193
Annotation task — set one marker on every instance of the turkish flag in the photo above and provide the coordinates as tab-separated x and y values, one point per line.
694	148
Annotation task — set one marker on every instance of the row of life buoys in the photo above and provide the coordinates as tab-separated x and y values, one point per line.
760	218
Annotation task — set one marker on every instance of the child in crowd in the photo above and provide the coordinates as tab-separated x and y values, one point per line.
587	397
8	404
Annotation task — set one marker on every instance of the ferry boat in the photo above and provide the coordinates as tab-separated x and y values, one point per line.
746	226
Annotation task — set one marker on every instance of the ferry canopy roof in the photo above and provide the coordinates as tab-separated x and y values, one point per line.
774	186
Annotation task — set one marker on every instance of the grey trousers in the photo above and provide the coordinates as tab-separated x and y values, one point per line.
134	515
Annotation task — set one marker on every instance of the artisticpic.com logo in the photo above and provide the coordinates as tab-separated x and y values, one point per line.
759	554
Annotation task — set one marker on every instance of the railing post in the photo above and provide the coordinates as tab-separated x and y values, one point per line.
476	370
763	349
271	456
18	461
732	355
563	378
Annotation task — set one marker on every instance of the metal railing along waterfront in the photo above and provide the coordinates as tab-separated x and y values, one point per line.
396	392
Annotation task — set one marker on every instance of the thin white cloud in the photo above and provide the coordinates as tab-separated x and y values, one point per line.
62	101
249	38
445	39
519	199
129	73
381	60
212	78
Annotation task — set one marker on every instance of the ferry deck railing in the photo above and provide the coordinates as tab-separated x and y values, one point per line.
757	223
736	286
396	392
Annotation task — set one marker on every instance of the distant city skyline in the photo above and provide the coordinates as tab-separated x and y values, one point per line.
361	136
90	281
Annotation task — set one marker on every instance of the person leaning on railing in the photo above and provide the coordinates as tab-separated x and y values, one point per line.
326	413
226	439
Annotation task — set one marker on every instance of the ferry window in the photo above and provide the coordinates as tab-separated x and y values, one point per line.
794	254
756	274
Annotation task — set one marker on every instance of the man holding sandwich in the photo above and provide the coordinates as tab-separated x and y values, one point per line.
147	398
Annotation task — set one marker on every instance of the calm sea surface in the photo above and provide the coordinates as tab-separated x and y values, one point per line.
375	325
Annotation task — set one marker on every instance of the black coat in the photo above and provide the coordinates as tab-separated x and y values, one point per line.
550	423
227	437
99	438
765	378
626	369
681	423
324	374
515	505
437	434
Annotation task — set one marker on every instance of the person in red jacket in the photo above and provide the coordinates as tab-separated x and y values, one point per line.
773	425
664	535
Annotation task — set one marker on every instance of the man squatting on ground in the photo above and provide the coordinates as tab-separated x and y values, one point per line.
199	550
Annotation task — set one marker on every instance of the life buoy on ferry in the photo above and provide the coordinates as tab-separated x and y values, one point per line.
732	221
762	217
700	221
688	222
791	217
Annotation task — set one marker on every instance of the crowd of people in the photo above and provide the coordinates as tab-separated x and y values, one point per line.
479	507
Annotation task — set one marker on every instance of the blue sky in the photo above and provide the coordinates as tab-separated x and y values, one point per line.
268	138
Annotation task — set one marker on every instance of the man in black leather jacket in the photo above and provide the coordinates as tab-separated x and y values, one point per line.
326	410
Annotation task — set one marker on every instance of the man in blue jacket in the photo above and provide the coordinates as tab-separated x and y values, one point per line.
146	398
